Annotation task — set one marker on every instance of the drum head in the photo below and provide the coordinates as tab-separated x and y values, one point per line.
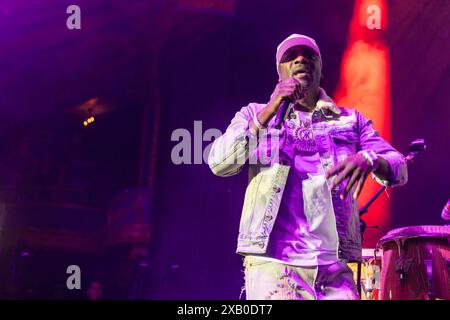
416	231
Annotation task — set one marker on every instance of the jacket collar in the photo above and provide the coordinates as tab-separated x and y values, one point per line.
326	103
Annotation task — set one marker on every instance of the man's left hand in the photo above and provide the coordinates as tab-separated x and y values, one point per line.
355	166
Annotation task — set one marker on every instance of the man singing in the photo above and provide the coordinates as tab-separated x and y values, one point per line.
300	223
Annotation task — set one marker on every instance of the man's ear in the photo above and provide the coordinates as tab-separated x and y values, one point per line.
321	76
279	73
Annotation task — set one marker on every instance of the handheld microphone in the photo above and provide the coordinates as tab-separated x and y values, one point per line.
281	113
284	107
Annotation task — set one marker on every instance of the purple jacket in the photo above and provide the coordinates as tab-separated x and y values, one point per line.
338	132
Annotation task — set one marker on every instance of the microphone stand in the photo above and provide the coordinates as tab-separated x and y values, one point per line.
415	147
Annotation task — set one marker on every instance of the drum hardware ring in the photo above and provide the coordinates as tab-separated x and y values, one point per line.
401	268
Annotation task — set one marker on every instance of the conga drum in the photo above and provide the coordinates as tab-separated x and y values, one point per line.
416	263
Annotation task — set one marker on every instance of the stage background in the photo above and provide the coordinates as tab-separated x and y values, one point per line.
145	69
